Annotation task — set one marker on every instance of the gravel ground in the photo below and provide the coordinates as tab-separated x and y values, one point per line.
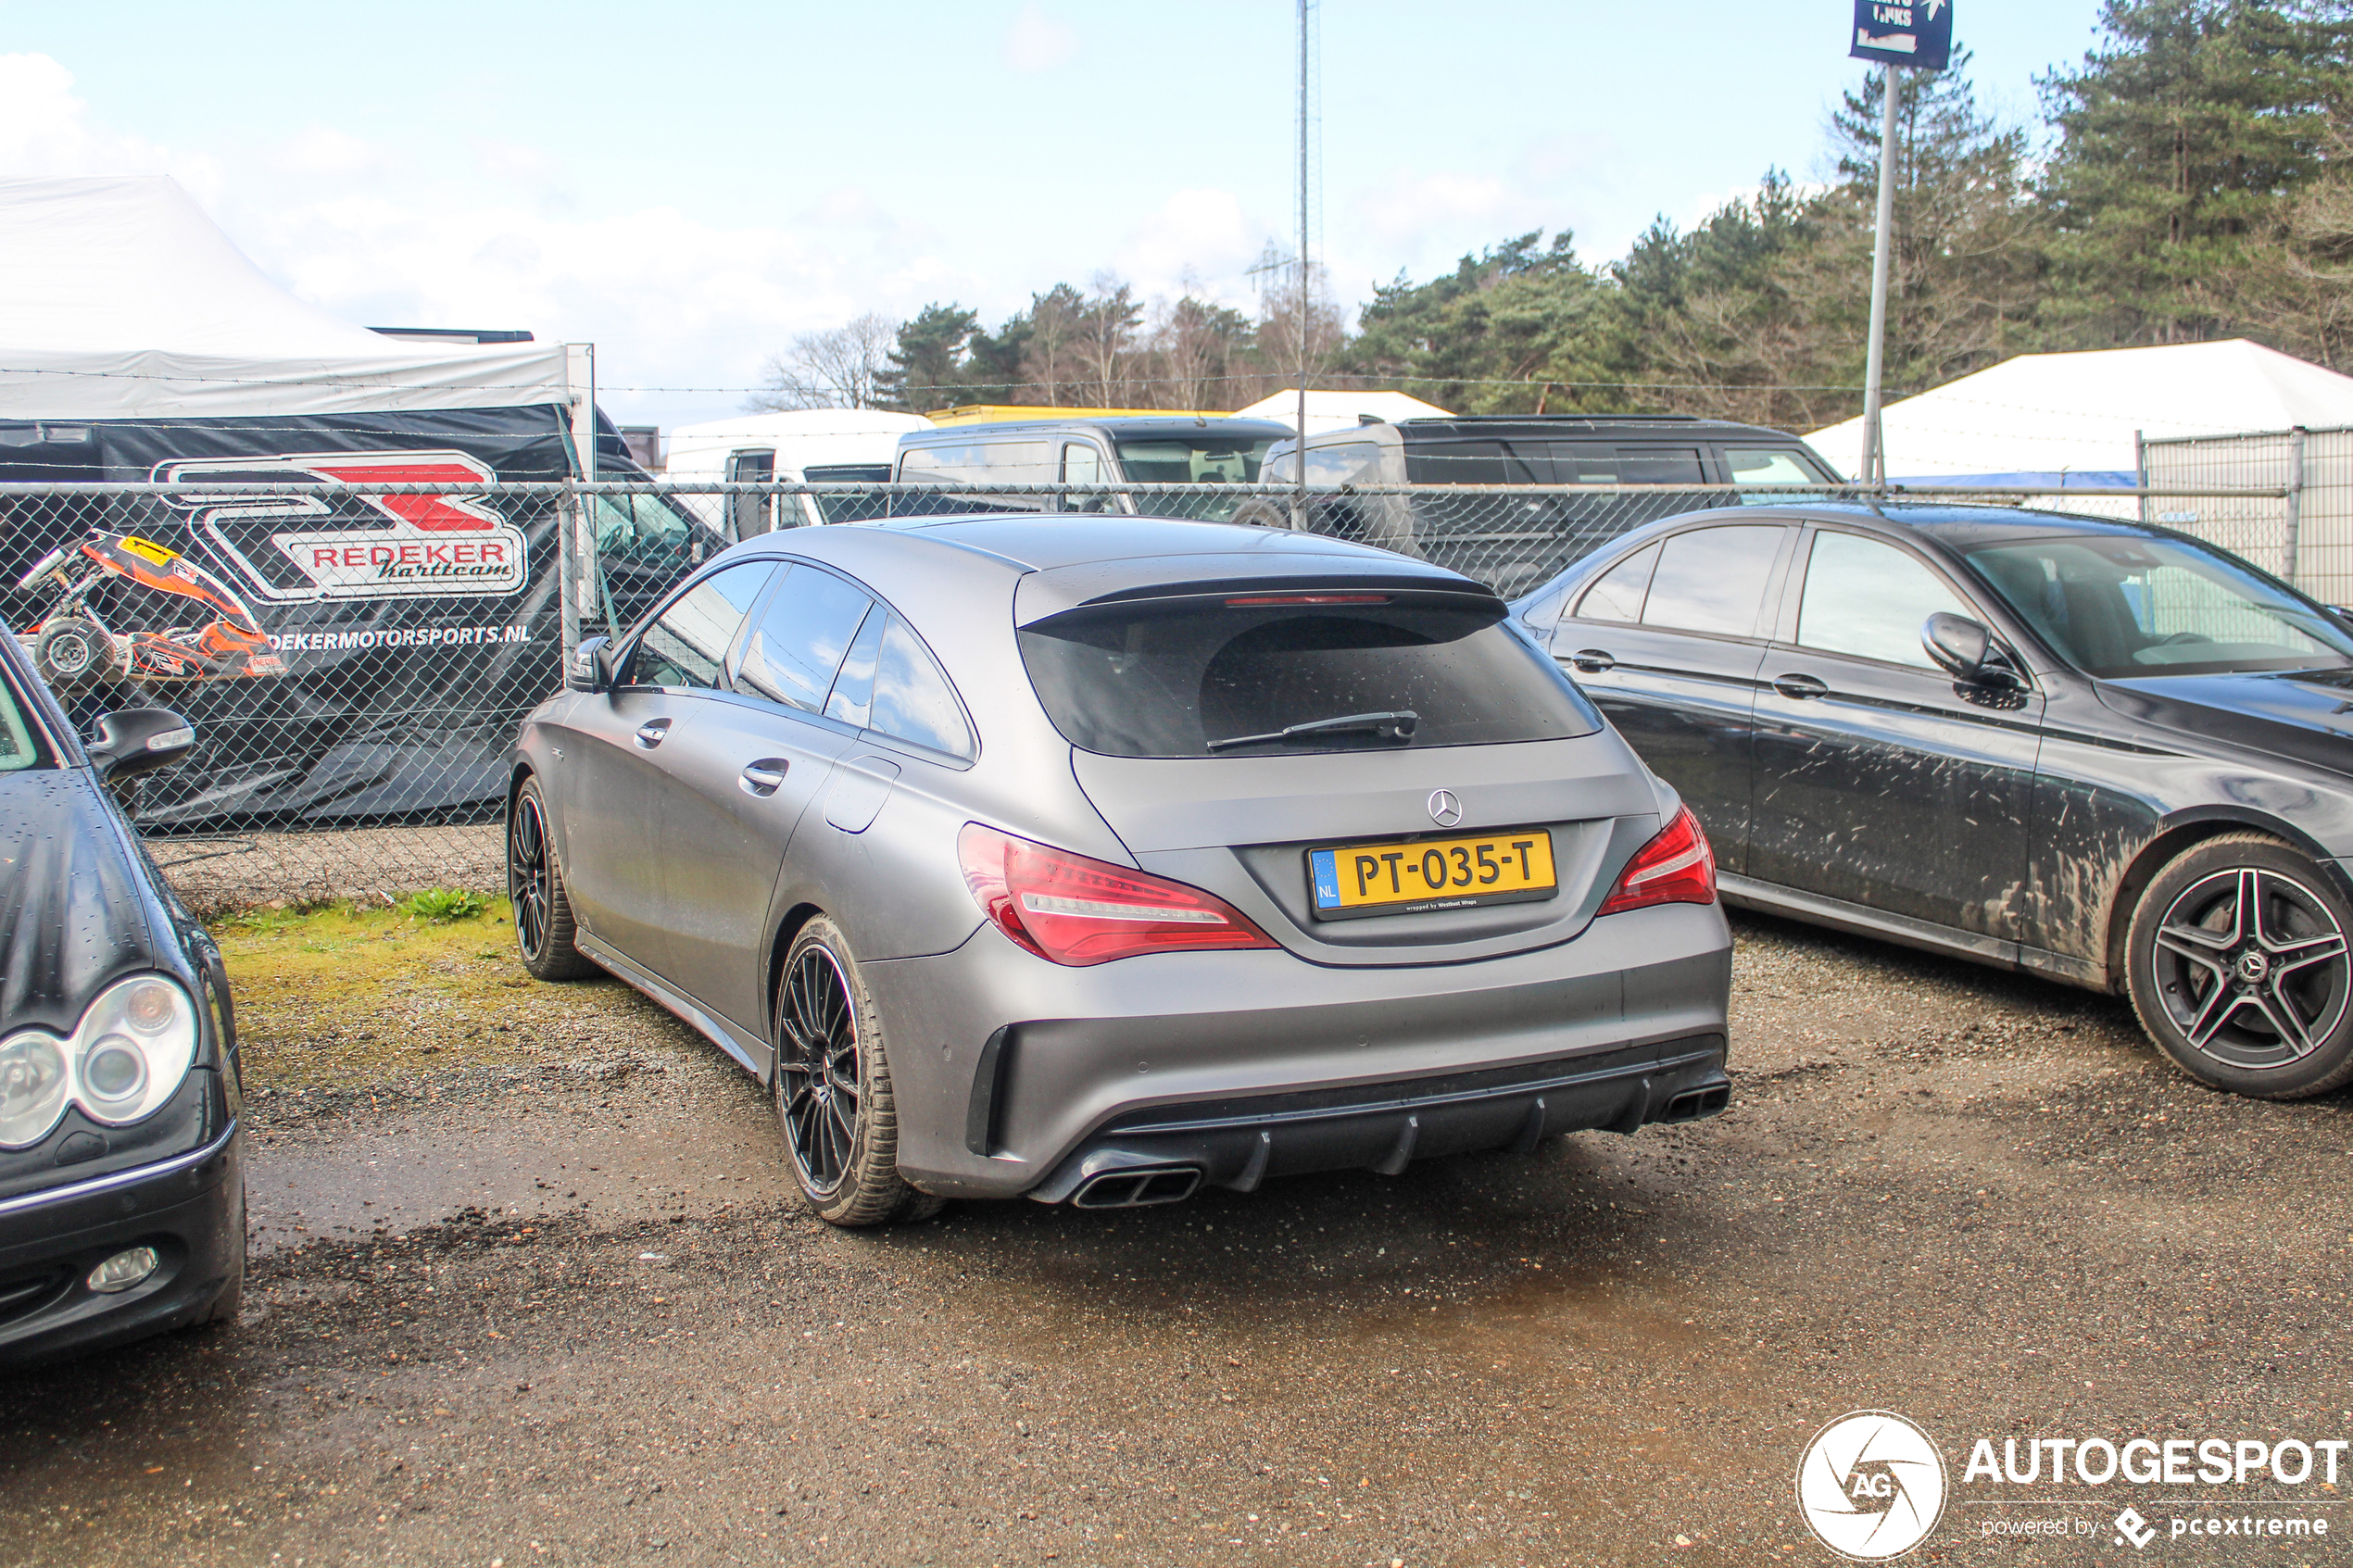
560	1310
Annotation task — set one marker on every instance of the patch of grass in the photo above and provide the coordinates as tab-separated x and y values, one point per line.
339	996
442	905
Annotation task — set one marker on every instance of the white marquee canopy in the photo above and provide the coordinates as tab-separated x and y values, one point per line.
120	299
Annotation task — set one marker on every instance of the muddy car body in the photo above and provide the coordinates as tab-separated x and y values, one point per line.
1086	923
121	1187
2105	753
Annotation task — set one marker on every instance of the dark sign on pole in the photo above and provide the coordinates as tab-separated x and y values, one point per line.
1904	33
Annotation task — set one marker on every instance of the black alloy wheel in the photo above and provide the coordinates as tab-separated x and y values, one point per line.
2240	967
833	1092
819	1088
543	927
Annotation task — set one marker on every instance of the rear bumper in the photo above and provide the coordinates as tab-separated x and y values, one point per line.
1384	1127
189	1209
1012	1073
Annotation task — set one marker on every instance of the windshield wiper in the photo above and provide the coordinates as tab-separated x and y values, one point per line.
1388	726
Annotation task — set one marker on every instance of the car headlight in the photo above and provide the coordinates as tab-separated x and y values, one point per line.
127	1057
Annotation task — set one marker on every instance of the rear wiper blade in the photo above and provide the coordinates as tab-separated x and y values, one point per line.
1393	726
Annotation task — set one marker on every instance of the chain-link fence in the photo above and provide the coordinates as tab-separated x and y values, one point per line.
2296	518
356	658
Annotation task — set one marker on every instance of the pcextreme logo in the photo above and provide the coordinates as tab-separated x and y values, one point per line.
293	546
1871	1486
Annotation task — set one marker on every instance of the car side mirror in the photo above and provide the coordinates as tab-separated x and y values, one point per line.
140	740
591	668
1967	651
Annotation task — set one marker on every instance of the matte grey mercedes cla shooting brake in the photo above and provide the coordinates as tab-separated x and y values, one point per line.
1095	858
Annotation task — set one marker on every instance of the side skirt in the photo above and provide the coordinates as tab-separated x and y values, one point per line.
754	1056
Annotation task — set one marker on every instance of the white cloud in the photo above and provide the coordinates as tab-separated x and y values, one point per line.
45	131
1198	241
323	152
1039	41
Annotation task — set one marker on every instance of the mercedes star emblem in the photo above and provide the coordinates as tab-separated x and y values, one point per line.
1444	809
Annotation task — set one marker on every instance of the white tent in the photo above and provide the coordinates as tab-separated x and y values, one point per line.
1339	410
2071	418
120	299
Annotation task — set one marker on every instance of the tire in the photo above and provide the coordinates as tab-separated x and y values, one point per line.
543	927
832	1088
73	651
2260	1005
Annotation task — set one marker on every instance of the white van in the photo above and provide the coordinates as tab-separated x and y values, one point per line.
816	446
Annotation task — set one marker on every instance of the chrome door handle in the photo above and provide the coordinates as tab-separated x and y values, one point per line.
1592	661
1797	688
649	733
763	777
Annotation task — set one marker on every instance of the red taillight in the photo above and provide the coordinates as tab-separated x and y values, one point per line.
1076	910
1675	868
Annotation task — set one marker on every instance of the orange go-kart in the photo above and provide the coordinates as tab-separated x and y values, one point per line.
72	646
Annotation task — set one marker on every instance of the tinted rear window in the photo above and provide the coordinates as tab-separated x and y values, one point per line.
20	742
1174	681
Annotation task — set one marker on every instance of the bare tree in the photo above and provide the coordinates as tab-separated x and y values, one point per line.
1300	326
1106	338
835	368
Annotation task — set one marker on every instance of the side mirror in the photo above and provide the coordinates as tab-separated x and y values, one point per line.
140	740
591	668
1967	651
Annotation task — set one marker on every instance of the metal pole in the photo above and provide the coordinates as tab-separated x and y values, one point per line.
1299	519
2294	501
1874	445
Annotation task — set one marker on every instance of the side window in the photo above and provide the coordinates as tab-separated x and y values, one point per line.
687	644
1463	462
854	692
1769	465
750	515
1712	580
1867	599
1083	464
1655	465
912	700
1350	462
1618	595
800	639
980	462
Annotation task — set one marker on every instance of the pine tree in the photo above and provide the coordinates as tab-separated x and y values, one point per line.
2184	139
927	369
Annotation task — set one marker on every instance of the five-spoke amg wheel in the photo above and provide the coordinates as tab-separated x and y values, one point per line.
833	1088
543	915
2239	967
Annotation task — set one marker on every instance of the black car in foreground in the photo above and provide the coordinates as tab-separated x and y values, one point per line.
2105	753
122	1208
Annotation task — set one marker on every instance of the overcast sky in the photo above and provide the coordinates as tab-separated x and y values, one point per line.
687	185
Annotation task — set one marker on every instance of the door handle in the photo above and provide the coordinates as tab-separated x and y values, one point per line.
1593	661
649	733
761	778
1797	688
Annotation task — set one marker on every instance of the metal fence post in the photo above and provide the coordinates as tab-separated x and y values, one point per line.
2294	501
577	580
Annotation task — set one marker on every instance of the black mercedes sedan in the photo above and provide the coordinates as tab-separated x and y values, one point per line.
2105	753
122	1210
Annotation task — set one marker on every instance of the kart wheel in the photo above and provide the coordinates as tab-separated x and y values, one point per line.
834	1100
2238	965
74	652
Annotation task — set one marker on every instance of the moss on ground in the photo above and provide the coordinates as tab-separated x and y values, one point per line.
342	997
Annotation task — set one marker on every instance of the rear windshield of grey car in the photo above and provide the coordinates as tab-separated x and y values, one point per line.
1236	679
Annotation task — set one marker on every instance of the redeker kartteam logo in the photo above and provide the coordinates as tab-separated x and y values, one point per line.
295	547
1871	1486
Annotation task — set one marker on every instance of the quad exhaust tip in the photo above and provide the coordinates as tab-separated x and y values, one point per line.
1694	1105
1135	1189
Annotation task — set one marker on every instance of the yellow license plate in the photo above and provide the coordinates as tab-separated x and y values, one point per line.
1431	873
